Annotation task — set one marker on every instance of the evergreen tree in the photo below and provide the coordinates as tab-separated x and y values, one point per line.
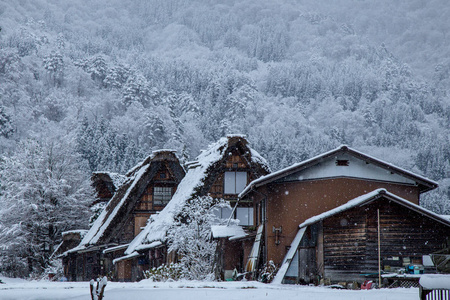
44	194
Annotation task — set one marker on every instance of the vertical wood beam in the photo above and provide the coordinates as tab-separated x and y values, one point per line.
379	248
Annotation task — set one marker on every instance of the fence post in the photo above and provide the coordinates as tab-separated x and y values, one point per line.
98	293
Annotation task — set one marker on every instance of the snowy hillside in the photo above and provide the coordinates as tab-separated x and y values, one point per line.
110	81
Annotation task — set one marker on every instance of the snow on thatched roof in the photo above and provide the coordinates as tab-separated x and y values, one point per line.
129	189
191	186
80	232
424	183
116	179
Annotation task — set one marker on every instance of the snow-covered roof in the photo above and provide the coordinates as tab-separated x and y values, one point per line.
227	231
369	197
120	199
115	248
447	217
132	255
358	201
425	184
116	178
435	281
189	187
81	232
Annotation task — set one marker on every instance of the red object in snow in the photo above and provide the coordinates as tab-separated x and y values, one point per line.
367	285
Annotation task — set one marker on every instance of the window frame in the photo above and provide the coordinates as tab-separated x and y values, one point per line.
232	184
162	198
250	215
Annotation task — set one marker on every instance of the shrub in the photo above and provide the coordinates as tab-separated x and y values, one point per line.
164	273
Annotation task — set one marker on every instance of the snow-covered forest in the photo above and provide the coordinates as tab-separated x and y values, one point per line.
97	85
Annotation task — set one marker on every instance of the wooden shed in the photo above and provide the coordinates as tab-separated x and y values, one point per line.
354	239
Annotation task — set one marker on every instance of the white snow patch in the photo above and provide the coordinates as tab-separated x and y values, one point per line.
231	231
81	232
19	289
435	281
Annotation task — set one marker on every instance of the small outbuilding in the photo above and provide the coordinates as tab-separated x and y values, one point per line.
376	230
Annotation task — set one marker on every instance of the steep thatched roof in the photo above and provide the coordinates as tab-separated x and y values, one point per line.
112	218
106	184
197	182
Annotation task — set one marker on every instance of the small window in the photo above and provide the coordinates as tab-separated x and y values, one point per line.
245	216
342	163
162	175
223	213
235	182
161	195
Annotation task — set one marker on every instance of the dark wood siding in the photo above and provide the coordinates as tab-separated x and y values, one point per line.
351	249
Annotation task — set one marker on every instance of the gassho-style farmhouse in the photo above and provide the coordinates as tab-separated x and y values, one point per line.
336	216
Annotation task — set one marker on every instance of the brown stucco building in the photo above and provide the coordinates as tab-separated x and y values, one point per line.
285	199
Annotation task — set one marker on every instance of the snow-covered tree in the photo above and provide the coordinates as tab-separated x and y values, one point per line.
190	237
6	127
297	78
136	89
44	192
54	67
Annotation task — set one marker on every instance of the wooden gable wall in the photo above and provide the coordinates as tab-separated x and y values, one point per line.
135	214
145	207
234	161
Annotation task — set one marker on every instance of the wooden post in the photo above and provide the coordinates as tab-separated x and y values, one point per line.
97	293
101	287
92	289
379	249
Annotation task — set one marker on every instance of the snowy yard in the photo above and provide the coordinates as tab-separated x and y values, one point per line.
20	289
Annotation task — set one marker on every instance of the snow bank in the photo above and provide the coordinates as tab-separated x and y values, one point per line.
191	290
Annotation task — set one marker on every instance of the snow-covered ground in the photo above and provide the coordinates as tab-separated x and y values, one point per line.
21	289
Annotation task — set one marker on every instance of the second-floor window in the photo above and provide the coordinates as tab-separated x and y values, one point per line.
161	195
235	182
245	216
